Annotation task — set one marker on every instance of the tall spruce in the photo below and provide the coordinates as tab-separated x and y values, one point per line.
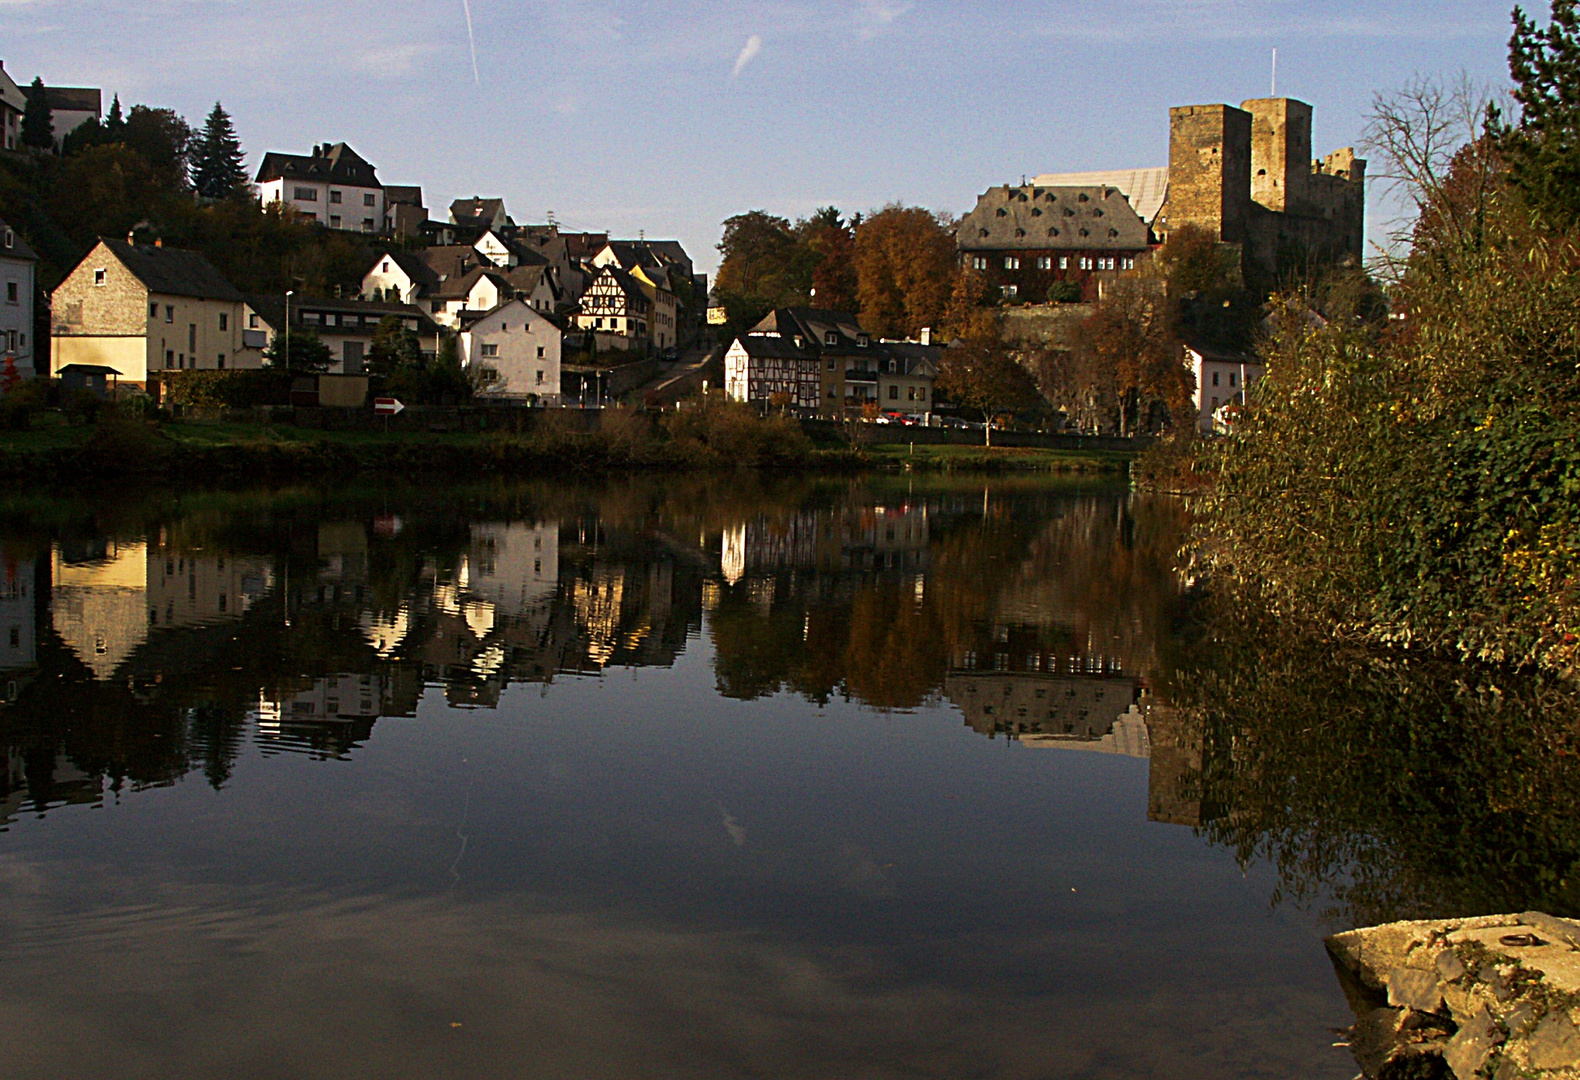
1543	148
218	169
116	122
38	123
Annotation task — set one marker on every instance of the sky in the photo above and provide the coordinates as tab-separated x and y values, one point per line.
668	116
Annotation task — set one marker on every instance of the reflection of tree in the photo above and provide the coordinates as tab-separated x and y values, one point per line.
1402	786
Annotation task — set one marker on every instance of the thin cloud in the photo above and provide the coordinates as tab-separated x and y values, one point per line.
754	45
391	63
874	17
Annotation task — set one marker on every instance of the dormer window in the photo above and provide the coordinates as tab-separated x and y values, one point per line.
831	337
1001	212
1097	211
862	341
10	238
1083	197
1036	211
1020	232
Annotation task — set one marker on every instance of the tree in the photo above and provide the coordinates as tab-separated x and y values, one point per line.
1129	341
38	122
300	350
393	347
905	268
163	139
982	374
832	244
115	123
765	266
218	166
1544	148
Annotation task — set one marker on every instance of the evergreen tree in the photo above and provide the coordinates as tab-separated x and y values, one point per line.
1543	149
218	169
38	123
116	123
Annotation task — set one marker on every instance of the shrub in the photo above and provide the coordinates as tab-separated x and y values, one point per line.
227	389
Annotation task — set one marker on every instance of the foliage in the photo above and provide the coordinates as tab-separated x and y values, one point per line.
415	378
981	373
1129	344
38	123
1065	292
219	168
765	266
229	389
299	350
393	347
905	267
729	433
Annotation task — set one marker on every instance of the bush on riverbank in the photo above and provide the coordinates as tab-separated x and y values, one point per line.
1417	483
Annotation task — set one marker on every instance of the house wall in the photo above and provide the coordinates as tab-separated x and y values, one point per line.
1210	396
526	354
128	355
16	316
355	214
385	275
909	394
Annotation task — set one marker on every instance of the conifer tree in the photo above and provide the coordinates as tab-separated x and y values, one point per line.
38	123
115	124
218	169
1543	149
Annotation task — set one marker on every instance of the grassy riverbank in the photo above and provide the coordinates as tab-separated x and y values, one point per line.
718	437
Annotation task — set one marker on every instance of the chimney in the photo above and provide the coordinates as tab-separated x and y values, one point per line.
927	335
159	241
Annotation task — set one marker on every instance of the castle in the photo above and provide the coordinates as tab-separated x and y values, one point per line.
1247	175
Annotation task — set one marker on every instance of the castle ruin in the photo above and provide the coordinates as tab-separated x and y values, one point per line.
1247	175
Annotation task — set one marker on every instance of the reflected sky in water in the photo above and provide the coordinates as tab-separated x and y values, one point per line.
701	777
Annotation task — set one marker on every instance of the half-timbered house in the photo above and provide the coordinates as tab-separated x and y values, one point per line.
616	311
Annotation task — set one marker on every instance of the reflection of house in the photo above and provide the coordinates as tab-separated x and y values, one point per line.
328	719
515	567
100	604
105	605
1047	707
867	538
18	633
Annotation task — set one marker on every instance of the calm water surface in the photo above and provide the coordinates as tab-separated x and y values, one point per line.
695	778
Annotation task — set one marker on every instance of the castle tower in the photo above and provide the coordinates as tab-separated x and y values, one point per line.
1210	170
1281	161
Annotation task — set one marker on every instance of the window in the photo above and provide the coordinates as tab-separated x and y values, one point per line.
910	393
1127	263
224	321
12	293
99	275
385	268
540	377
490	350
10	238
170	313
367	224
831	337
979	262
305	194
894	393
1012	291
1086	262
863	340
192	336
1215	403
170	358
252	321
367	200
921	393
1215	378
153	311
219	361
1044	262
542	352
1011	262
1231	380
1064	262
334	197
334	221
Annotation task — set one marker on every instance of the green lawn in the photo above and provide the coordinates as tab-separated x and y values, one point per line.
1000	457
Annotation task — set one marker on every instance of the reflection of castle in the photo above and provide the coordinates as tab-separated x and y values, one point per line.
1042	708
108	599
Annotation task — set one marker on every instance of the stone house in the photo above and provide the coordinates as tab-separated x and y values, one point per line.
333	185
514	352
141	309
1024	239
18	286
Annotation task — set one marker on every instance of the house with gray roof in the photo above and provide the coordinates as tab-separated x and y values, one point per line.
1024	239
142	309
70	107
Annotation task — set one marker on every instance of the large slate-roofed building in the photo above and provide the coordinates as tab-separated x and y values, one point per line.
333	185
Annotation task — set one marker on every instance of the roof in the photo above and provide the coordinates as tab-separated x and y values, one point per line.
446	261
87	369
915	358
173	272
477	211
472	318
1145	188
773	345
17	247
1209	351
815	324
337	164
455	288
629	285
526	279
272	309
403	195
1036	218
71	98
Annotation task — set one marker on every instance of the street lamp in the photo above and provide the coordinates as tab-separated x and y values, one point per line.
288	294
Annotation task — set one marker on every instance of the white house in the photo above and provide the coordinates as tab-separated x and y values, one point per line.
70	107
400	276
514	351
12	104
17	277
616	309
1222	377
333	185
